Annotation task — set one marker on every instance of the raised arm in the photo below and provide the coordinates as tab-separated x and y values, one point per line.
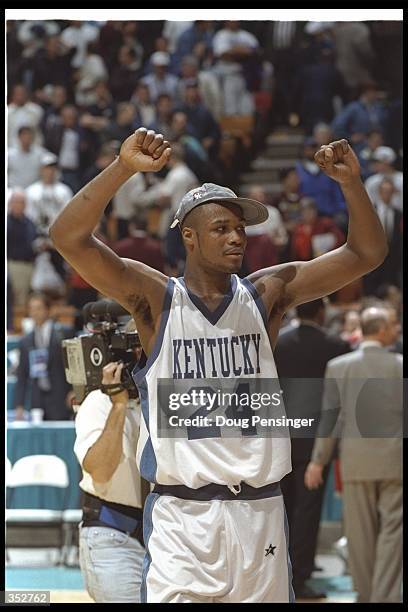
72	231
365	249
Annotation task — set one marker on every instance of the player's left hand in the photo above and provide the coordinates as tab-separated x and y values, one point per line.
313	476
338	161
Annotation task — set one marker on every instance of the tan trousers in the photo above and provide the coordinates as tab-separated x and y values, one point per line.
373	527
20	273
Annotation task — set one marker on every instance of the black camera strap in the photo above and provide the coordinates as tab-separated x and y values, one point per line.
112	389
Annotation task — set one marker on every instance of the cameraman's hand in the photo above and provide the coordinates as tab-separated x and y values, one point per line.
112	373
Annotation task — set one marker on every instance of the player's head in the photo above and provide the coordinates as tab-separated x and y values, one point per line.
212	221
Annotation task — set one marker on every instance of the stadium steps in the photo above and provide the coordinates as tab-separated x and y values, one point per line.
282	149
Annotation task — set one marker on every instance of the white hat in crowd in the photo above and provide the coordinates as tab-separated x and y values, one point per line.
384	154
160	58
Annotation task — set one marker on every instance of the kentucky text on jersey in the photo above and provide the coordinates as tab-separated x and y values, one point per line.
216	357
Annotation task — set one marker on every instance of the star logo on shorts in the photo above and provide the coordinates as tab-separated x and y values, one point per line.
270	550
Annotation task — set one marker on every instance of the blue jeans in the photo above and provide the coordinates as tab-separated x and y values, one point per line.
111	564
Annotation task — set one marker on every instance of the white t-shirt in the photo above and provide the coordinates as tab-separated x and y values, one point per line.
23	167
225	40
45	202
30	115
79	38
372	185
125	486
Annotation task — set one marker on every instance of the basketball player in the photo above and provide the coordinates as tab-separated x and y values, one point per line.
214	526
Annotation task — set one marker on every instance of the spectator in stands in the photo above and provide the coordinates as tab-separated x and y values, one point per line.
356	120
383	160
233	49
351	332
77	36
102	106
22	112
316	84
195	41
160	80
130	37
51	64
21	235
139	245
53	106
110	41
64	139
355	55
201	121
322	134
288	200
315	184
41	365
161	45
168	193
145	109
91	72
195	155
208	85
300	371
272	227
392	295
14	59
48	196
260	252
390	270
374	140
314	235
124	123
172	32
23	160
125	74
283	49
32	34
94	120
163	116
45	200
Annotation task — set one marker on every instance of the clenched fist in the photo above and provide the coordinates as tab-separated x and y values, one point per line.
145	151
338	161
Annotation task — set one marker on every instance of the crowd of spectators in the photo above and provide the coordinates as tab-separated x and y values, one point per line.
77	89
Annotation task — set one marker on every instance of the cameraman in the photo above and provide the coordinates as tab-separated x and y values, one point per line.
111	546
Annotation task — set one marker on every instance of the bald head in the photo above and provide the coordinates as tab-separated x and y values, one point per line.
380	324
373	319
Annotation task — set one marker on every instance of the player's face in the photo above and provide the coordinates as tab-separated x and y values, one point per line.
222	240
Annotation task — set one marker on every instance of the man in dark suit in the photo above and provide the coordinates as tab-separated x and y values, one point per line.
41	365
301	355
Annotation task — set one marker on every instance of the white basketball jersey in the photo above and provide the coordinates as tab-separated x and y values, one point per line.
194	343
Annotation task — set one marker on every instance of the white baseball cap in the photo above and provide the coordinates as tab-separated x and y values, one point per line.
254	212
160	58
384	154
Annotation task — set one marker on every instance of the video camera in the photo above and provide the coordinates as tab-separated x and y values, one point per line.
85	356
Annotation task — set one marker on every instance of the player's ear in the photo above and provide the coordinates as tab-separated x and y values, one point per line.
188	236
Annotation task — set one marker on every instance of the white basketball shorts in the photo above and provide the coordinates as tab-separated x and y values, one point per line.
217	551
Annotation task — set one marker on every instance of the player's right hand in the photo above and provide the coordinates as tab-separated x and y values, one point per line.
145	151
